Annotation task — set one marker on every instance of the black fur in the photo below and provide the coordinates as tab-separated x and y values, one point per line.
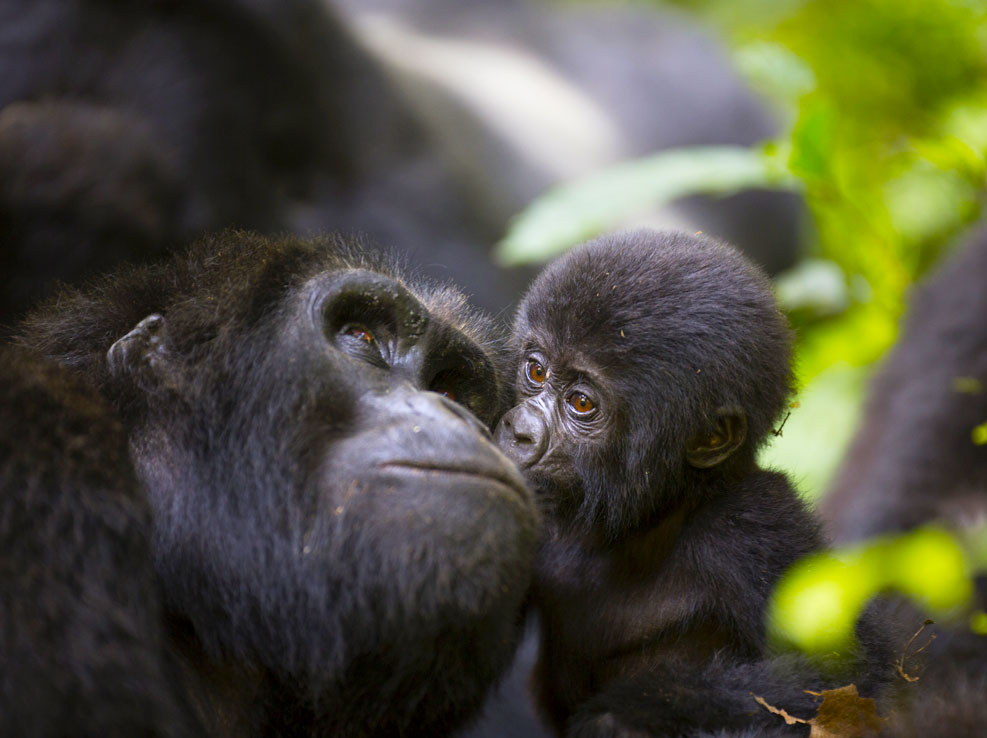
663	537
340	552
680	326
81	646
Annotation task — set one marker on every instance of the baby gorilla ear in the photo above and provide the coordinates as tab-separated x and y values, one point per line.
726	437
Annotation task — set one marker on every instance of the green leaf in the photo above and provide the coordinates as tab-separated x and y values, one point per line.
574	212
817	602
774	69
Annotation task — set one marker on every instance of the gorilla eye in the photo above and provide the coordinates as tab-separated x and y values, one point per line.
361	343
358	331
581	403
448	394
536	372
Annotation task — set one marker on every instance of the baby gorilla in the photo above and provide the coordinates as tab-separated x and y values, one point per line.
650	368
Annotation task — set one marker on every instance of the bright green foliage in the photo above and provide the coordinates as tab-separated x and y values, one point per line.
816	605
887	143
888	107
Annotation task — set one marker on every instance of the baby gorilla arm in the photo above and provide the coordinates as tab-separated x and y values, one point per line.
681	698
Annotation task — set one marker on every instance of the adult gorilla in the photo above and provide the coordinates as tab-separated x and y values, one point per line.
339	547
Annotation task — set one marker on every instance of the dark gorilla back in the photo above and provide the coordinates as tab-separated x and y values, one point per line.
340	547
914	457
81	645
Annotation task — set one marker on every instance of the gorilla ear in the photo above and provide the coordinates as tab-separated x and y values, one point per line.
726	437
141	353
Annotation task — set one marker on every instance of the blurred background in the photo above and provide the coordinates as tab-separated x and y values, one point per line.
840	143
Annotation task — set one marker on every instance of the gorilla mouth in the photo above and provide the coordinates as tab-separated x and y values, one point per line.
488	475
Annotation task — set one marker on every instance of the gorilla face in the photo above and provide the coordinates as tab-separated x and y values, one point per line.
646	364
329	509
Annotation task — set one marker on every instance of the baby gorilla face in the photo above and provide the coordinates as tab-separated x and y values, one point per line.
566	417
645	365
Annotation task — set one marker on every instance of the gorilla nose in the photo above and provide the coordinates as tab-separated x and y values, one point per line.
522	435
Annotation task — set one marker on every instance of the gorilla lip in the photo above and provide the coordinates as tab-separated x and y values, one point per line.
486	474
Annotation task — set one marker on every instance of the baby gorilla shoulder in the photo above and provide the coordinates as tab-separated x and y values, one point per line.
650	368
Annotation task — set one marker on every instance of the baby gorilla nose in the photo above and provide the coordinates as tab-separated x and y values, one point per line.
522	435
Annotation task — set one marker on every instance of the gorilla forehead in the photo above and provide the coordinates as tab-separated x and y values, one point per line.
641	296
227	283
248	282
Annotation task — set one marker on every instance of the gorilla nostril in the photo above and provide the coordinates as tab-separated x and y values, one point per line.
517	434
521	436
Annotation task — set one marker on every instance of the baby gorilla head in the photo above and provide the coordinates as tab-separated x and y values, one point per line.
649	366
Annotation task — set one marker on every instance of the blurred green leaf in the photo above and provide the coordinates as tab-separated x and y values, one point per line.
925	202
774	70
858	337
574	212
814	285
818	430
816	605
930	567
968	385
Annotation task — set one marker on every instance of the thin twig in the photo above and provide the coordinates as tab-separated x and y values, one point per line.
900	666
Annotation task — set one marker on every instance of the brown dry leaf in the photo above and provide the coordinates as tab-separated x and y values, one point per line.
845	714
842	714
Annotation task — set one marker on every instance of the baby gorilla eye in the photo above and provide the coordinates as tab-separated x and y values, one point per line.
536	372
581	403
